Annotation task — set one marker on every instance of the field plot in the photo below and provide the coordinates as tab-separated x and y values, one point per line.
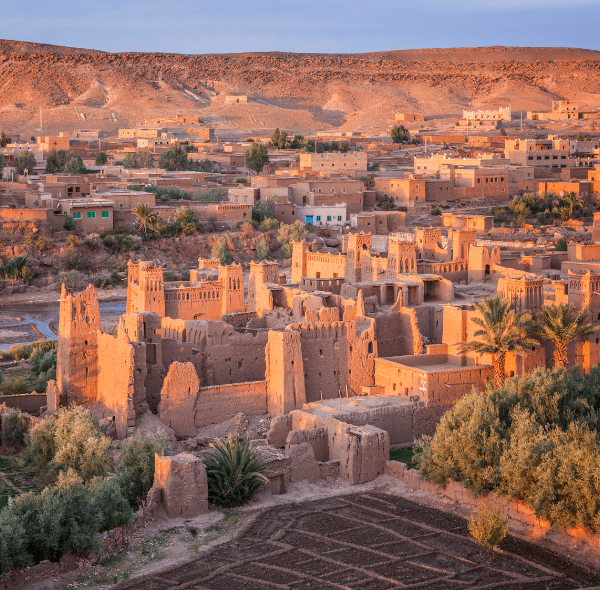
366	542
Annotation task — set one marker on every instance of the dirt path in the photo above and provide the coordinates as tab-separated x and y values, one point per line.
10	484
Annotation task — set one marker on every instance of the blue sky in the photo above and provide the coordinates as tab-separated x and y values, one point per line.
307	26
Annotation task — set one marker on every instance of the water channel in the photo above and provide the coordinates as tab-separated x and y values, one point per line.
40	315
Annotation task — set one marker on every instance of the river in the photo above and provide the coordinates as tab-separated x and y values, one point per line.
40	315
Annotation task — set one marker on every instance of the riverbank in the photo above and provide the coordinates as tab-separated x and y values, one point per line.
34	295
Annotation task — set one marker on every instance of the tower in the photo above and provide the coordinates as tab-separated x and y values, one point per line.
299	252
151	291
233	288
358	244
77	356
402	258
462	239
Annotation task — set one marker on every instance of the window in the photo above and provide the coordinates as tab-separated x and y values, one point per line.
91	215
58	194
318	218
121	205
339	218
329	218
105	214
76	214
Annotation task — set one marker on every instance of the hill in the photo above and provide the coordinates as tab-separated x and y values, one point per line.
81	88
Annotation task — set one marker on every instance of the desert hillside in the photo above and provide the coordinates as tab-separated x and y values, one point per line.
80	88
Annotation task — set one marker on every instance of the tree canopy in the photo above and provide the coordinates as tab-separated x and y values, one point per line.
256	157
399	134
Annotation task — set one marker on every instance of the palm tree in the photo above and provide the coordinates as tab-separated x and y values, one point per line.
573	200
561	324
501	331
148	219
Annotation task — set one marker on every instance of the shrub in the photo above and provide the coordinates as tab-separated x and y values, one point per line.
14	387
41	244
262	249
561	245
14	428
135	466
18	267
235	473
72	440
241	180
294	232
74	241
534	439
262	210
220	250
188	220
40	446
436	211
13	547
109	503
488	527
247	230
268	224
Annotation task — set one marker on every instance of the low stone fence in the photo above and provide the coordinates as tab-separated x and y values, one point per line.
26	402
584	539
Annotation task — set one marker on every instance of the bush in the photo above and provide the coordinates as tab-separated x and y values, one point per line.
241	180
262	249
488	527
436	211
247	230
263	209
221	251
168	193
235	473
135	467
74	241
72	440
17	268
42	244
212	195
69	224
268	224
13	547
188	220
109	503
14	387
534	439
14	428
294	232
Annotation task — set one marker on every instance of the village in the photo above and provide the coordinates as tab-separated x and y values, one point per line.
351	324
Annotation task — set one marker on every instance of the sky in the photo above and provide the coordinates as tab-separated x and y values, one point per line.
306	26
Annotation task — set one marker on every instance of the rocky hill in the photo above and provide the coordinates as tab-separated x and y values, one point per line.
80	88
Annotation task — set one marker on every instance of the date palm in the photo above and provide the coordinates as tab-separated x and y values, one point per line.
501	330
573	200
148	219
561	324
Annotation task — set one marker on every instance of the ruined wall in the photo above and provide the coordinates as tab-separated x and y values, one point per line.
229	356
325	356
398	333
284	372
77	356
121	376
185	406
221	402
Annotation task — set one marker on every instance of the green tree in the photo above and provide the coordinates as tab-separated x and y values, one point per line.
101	159
262	249
256	157
56	160
148	219
399	134
188	219
276	136
561	324
4	140
288	234
175	158
74	165
521	211
26	161
501	331
17	268
220	250
573	200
